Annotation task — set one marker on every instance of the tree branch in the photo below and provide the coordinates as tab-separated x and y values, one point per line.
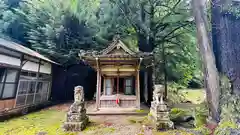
172	10
175	29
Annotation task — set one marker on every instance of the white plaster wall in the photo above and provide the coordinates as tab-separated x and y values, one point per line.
30	66
45	68
9	60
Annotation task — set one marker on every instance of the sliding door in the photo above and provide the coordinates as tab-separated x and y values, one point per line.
108	86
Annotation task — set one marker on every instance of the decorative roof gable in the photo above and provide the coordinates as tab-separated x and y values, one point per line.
118	48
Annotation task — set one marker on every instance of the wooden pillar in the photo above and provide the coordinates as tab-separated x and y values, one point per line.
146	86
138	89
118	83
98	89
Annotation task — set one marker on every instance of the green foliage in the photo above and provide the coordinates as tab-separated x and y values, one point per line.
229	102
177	112
224	128
229	108
60	29
54	30
200	115
165	23
174	94
9	22
203	130
182	61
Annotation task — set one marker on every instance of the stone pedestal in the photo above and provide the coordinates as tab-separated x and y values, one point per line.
77	119
159	113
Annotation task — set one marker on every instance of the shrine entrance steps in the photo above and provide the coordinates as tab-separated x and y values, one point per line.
119	111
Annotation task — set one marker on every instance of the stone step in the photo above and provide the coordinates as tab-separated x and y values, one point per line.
119	111
116	113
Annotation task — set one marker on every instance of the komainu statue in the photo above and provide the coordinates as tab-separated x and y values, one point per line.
77	119
158	112
158	90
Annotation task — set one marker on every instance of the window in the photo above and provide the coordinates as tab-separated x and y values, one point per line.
8	91
39	87
129	86
44	77
11	75
34	88
2	77
108	86
8	82
23	87
2	74
28	75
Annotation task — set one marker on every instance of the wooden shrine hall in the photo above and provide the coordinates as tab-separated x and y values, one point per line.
118	82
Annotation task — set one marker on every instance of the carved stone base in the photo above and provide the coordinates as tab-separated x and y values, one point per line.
160	117
76	126
158	107
161	124
164	125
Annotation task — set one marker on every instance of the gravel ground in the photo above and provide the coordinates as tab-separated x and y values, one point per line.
110	124
117	125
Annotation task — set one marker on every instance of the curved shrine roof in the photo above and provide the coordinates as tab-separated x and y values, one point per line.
117	49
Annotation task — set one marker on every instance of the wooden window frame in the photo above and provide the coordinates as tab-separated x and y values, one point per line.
132	84
4	83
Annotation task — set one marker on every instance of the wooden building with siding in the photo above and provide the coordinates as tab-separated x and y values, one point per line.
25	76
118	79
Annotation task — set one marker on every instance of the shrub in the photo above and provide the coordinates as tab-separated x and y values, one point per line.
174	96
226	128
177	112
230	105
203	130
200	116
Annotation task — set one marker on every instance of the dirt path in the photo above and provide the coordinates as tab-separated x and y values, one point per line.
116	125
111	124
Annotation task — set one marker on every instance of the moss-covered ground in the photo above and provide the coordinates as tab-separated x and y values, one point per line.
196	96
45	121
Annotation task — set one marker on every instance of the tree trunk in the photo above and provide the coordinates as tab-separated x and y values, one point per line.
215	21
210	71
144	46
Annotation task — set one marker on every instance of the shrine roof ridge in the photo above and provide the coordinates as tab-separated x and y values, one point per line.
116	44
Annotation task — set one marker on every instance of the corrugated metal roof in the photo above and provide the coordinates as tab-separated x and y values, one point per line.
19	48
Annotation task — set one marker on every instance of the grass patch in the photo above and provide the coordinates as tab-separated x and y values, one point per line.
140	111
92	126
98	129
142	120
195	96
109	129
46	121
132	121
